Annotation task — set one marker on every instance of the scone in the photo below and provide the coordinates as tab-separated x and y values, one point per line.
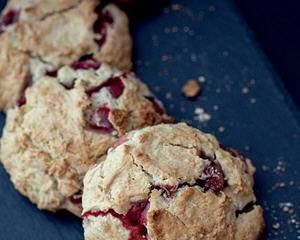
38	36
65	125
171	182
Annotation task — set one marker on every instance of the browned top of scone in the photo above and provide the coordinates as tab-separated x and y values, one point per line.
194	187
66	125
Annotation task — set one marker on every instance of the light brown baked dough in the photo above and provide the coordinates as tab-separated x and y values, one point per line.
66	126
157	185
57	33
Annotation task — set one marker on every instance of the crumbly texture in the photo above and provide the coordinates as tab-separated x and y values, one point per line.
163	165
57	33
191	89
49	143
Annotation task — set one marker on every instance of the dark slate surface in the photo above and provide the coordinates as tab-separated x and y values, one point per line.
210	39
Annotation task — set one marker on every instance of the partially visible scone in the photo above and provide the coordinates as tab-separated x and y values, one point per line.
171	182
65	124
57	33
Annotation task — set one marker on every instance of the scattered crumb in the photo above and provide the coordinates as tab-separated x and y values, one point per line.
167	30
201	115
247	148
221	129
194	57
168	95
186	28
264	168
218	90
252	81
282	184
176	7
201	79
245	90
157	88
252	100
276	226
174	80
164	58
212	8
139	62
191	89
216	107
174	29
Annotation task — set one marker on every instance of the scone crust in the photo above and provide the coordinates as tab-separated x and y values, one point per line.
56	33
173	155
48	144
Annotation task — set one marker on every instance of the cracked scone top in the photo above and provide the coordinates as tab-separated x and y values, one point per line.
66	124
171	182
40	36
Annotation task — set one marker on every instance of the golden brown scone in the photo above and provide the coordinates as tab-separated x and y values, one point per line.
66	124
57	33
171	182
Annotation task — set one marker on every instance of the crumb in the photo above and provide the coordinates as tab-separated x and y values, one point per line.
176	7
174	80
252	81
212	8
282	184
194	57
216	107
191	89
202	116
139	62
167	30
245	90
157	88
276	226
168	95
166	71
186	28
174	29
218	90
164	58
154	37
201	79
252	100
221	129
264	168
247	148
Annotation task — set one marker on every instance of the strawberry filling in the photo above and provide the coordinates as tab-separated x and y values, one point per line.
157	107
9	18
21	101
120	141
104	18
76	198
52	73
114	84
85	63
134	220
99	120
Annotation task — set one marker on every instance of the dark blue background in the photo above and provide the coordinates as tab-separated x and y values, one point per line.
212	39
